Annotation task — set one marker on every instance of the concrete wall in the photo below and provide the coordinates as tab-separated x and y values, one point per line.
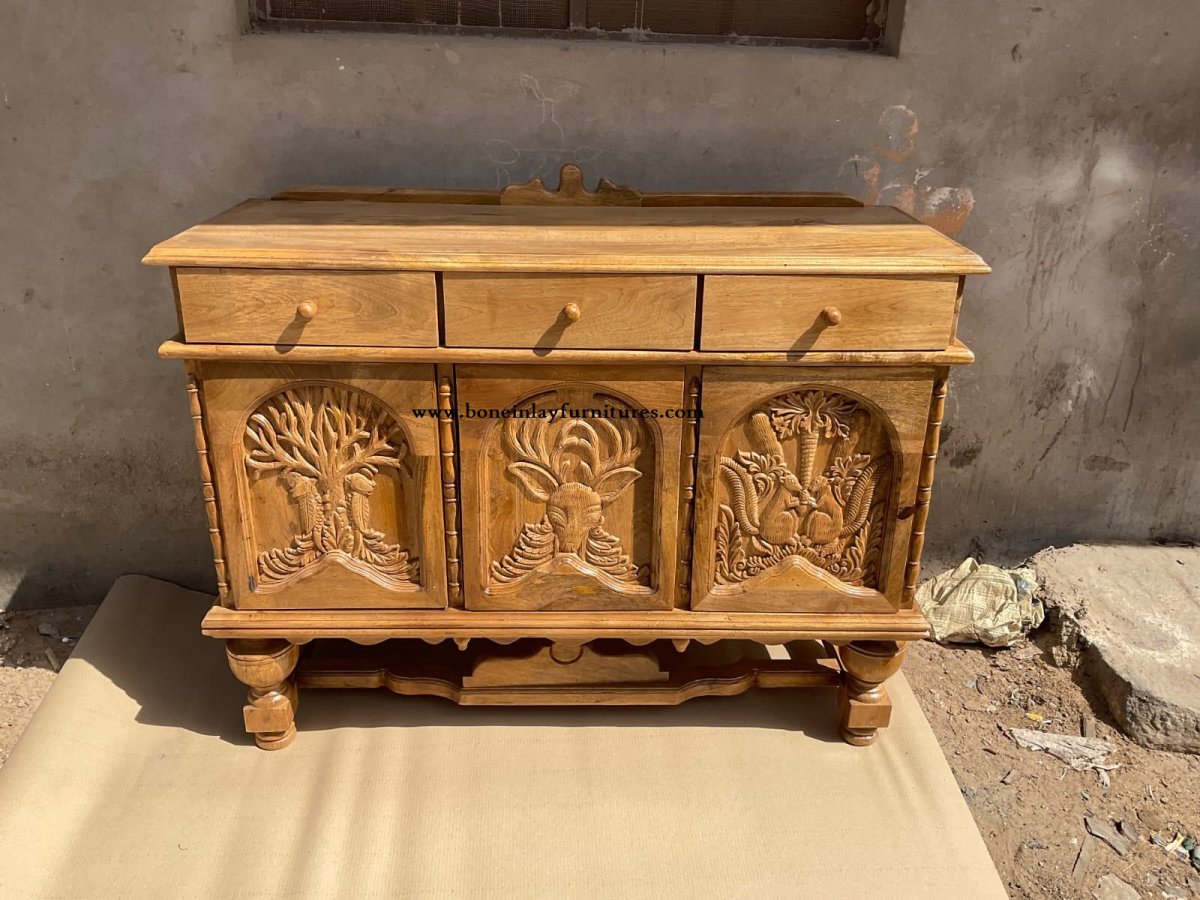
1058	140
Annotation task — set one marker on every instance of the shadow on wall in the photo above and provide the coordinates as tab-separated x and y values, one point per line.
886	177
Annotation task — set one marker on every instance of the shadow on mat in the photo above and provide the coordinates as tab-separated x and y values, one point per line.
146	639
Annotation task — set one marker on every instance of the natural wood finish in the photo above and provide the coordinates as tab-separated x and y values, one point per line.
449	486
450	423
570	192
265	667
956	354
492	197
551	533
208	488
338	484
504	626
687	513
288	307
349	234
570	311
529	673
862	698
920	509
808	481
775	312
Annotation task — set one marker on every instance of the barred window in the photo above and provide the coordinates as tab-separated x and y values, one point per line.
855	24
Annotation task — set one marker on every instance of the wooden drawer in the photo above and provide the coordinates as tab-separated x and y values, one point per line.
819	312
603	312
287	306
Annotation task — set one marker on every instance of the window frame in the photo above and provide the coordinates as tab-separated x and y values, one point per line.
258	20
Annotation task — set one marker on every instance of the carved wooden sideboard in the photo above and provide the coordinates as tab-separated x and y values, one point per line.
526	446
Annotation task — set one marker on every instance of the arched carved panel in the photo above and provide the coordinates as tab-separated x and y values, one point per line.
573	492
329	468
803	480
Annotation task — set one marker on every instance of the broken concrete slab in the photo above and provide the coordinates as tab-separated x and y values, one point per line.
1129	614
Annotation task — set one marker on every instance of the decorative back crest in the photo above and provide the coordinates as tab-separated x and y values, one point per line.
571	192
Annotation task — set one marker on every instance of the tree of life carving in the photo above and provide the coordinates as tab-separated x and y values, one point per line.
329	444
827	517
576	467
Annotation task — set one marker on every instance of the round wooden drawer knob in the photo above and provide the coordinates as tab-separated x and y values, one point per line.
571	312
306	310
832	315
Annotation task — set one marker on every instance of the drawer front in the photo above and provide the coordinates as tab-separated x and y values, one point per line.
602	312
798	312
266	306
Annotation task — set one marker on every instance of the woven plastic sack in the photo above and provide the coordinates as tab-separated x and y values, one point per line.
981	604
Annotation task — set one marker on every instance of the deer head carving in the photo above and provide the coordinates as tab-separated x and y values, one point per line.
576	467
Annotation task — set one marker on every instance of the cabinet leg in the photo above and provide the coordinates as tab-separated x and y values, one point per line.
265	667
862	698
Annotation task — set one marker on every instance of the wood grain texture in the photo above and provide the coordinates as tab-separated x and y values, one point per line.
211	508
577	512
531	674
862	698
288	307
318	323
775	312
920	514
956	354
505	626
787	462
647	312
338	494
492	197
570	192
353	234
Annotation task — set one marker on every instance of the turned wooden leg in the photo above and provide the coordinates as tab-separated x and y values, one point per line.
862	698
265	666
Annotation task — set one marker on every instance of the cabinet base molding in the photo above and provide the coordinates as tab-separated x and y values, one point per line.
545	673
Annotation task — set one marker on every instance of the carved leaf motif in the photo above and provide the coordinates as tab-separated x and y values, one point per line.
329	443
773	513
576	467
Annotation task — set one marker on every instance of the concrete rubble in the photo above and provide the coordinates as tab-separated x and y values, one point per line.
1129	616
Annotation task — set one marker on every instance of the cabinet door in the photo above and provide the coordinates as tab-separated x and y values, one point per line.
570	482
807	480
328	484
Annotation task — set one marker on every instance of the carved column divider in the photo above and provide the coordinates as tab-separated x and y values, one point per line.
206	478
691	438
449	483
937	410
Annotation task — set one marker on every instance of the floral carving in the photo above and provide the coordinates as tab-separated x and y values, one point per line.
776	512
329	444
576	467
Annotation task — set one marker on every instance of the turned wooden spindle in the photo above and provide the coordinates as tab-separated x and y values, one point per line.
862	698
265	667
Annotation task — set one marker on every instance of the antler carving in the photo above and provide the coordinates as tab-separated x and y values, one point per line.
576	467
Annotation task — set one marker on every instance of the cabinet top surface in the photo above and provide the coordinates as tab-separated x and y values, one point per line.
353	234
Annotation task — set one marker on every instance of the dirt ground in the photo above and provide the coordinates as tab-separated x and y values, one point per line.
33	646
1030	807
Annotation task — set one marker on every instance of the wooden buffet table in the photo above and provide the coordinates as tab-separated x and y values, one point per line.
542	447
